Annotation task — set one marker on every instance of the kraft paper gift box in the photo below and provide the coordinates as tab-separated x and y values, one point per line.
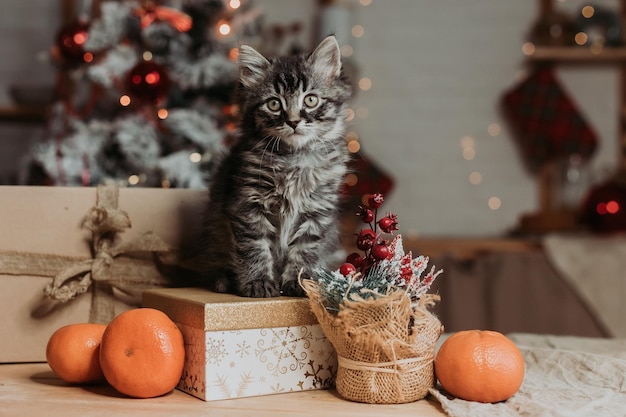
43	225
241	347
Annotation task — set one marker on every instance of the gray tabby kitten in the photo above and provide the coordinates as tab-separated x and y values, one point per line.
273	200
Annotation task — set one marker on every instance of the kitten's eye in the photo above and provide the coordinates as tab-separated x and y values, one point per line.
274	104
311	100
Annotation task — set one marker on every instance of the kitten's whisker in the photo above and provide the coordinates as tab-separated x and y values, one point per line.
268	141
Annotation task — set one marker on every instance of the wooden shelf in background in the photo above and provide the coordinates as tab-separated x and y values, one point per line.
22	114
581	55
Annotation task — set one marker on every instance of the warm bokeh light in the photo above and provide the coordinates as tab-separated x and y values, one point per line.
234	4
351	180
162	114
365	2
494	129
87	57
475	178
133	179
352	135
80	38
125	100
152	78
610	207
195	157
528	48
467	142
596	48
233	54
349	115
147	56
354	146
223	28
347	50
588	11
365	83
494	203
358	31
469	153
581	38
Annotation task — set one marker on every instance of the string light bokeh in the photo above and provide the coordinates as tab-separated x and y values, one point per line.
469	153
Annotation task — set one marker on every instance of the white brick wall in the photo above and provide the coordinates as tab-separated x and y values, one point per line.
438	68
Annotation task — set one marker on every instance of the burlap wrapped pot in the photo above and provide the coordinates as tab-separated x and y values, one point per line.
385	347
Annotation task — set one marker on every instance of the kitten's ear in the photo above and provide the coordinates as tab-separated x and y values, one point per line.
326	59
252	65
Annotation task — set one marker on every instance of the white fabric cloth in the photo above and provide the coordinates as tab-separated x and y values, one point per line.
595	266
565	377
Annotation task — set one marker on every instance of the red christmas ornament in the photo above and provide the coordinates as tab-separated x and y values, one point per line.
148	81
70	41
604	209
149	13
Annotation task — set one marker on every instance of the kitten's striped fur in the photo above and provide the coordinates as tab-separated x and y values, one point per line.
274	198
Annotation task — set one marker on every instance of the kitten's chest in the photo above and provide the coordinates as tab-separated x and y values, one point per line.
295	184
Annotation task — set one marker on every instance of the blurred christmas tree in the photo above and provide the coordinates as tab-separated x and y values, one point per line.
144	92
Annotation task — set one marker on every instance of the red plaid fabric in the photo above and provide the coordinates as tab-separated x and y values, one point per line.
545	120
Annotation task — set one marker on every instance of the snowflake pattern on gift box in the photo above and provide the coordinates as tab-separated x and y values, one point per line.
215	351
322	376
238	389
243	349
287	349
241	363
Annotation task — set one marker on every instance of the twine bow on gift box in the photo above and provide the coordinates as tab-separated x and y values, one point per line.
129	267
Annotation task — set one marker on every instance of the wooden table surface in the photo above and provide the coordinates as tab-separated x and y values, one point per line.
34	390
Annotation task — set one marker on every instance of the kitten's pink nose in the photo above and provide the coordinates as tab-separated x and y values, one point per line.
293	123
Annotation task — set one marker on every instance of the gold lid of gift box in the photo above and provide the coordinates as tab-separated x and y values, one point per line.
210	311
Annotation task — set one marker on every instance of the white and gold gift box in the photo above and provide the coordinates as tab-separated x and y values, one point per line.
243	347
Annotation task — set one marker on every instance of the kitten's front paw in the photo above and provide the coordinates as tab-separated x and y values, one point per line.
292	289
260	288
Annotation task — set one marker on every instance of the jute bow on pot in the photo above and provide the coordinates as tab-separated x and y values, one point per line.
129	267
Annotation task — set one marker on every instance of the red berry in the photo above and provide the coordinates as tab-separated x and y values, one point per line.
380	251
346	269
388	224
375	200
366	239
365	214
368	216
355	259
